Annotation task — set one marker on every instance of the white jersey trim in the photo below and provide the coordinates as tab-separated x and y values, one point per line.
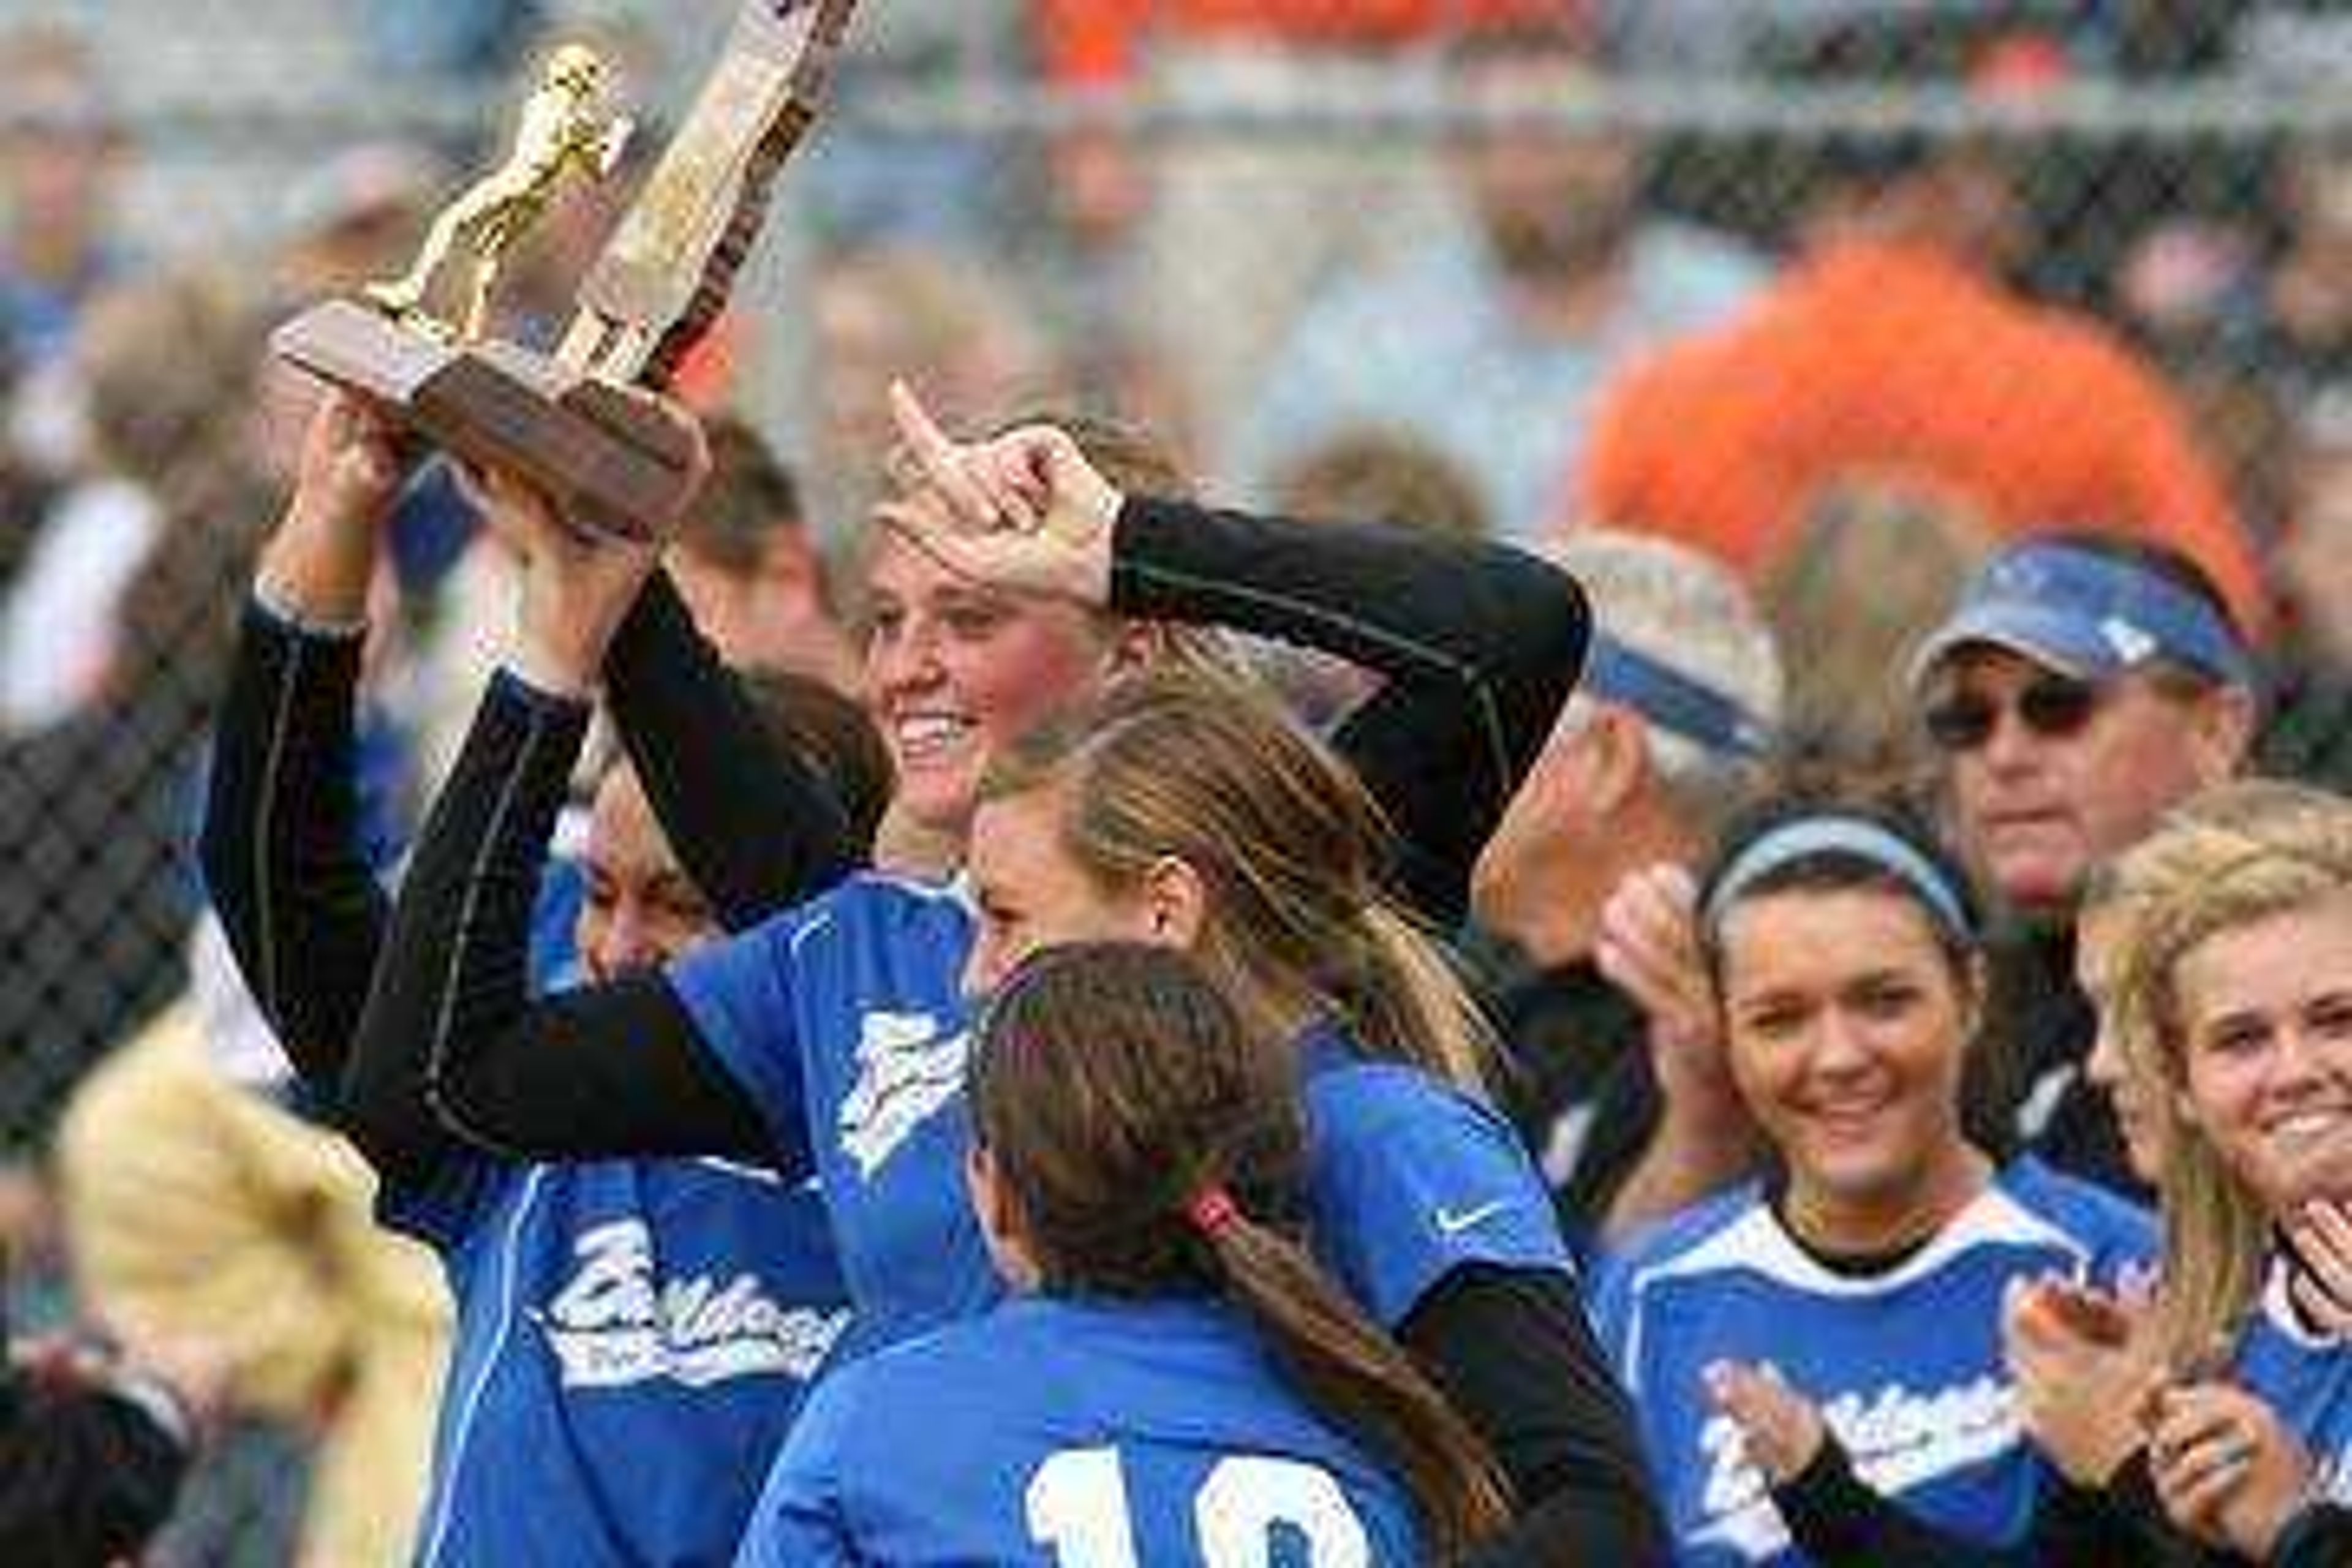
1757	1243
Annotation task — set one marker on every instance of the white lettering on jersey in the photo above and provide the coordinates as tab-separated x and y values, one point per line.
614	1324
905	1072
1897	1438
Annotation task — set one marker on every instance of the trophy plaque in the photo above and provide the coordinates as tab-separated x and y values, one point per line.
567	422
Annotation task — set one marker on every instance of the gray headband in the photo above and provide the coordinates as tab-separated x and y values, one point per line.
1811	836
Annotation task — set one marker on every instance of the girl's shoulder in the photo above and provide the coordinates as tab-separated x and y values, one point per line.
1689	1233
2091	1215
869	907
1347	1090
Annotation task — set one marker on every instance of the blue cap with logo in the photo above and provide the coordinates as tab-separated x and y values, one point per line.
2087	615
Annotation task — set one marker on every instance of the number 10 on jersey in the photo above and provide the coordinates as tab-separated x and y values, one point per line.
1078	1508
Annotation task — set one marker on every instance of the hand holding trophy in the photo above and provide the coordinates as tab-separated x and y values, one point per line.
575	424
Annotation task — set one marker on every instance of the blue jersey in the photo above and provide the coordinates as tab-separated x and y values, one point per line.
1905	1364
1069	1434
2307	1379
633	1339
844	1021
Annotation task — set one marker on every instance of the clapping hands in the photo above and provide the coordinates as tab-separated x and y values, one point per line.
1648	947
2321	1279
1783	1429
2084	1362
2228	1469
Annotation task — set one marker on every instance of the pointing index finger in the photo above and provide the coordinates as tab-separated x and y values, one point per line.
937	456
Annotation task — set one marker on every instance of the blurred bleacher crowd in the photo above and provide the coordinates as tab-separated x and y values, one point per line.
1843	291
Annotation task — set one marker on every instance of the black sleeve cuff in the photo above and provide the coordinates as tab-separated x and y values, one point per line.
2320	1536
1819	1502
511	685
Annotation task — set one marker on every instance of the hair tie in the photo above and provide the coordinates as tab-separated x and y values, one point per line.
1212	1211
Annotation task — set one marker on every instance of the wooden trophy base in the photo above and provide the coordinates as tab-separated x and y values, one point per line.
601	453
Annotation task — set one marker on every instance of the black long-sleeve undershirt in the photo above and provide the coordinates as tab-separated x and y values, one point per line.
2319	1537
1478	647
279	848
769	829
1840	1521
1512	1349
456	969
306	920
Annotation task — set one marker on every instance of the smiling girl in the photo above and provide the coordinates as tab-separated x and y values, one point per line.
1829	1336
2236	979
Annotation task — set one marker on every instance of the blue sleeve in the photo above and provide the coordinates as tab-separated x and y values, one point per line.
739	992
802	1518
2119	1237
1411	1181
2129	1243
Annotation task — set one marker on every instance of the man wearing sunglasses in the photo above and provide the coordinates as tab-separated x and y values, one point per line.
2085	685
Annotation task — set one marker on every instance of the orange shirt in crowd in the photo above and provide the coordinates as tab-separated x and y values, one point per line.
1095	41
1873	361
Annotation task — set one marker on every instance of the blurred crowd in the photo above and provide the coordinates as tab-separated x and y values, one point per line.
1785	401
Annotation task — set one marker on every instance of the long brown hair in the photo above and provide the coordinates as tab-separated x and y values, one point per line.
1113	1087
2230	857
1289	842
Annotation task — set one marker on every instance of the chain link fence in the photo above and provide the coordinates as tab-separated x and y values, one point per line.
1296	240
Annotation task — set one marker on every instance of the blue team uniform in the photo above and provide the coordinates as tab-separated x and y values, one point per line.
1073	1434
844	1021
634	1338
1905	1364
2307	1379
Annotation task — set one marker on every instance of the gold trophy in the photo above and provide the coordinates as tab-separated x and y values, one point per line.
566	422
563	130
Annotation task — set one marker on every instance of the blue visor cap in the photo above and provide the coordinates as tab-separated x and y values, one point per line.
1671	699
2086	615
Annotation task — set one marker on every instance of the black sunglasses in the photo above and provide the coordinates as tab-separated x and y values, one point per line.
2054	707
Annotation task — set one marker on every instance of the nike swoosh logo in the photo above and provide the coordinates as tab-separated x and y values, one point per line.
1453	1222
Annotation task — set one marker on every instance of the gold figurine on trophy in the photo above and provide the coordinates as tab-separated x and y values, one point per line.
564	128
574	423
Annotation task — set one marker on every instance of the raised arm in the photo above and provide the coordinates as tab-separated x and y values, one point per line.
756	827
451	1041
1479	645
281	848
